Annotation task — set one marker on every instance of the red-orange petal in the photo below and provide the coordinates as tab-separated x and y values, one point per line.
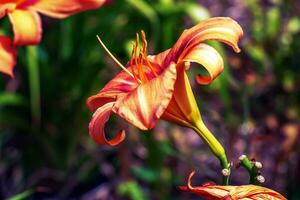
65	8
159	58
242	192
222	29
27	27
8	54
96	126
122	83
144	105
183	108
209	58
5	8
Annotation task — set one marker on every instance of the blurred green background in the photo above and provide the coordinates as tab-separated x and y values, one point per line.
253	107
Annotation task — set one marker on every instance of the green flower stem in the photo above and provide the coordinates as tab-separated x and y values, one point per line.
34	84
216	148
251	169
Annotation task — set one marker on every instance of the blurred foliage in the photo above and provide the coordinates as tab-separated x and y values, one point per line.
253	106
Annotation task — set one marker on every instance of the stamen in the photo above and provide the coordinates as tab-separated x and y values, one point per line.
114	59
145	44
141	71
134	47
149	64
136	57
138	60
144	52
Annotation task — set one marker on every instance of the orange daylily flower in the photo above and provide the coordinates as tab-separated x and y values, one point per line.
243	192
154	87
26	22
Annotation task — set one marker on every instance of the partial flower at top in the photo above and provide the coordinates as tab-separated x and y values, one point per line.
242	192
27	27
154	87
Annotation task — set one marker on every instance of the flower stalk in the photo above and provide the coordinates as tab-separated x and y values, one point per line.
34	84
253	168
216	148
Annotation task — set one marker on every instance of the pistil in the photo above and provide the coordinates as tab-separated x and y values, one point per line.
115	59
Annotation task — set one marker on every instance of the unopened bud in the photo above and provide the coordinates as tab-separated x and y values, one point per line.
258	165
242	157
225	172
260	179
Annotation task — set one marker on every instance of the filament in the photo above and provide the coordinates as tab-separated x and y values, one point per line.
114	58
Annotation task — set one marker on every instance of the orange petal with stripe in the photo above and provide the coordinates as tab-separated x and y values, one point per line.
144	105
209	58
26	26
183	107
8	54
122	83
222	29
96	126
65	8
242	192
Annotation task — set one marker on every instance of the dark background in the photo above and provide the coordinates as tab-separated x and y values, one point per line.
253	107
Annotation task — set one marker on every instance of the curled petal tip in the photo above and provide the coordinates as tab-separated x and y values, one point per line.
189	183
209	58
96	126
64	8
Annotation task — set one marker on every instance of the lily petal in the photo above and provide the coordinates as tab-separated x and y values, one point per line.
143	106
96	126
209	58
242	192
183	107
64	8
159	58
5	8
122	83
27	27
8	54
222	29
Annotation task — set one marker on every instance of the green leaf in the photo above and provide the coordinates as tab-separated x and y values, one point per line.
131	190
273	22
22	195
11	99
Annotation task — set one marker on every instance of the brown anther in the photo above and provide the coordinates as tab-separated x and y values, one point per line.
145	44
144	52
